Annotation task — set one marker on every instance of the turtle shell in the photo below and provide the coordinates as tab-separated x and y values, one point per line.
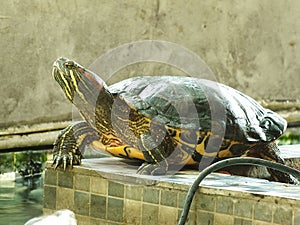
199	104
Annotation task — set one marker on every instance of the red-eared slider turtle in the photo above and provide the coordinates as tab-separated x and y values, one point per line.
164	121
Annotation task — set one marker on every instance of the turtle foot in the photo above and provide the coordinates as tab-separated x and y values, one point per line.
65	151
66	159
152	169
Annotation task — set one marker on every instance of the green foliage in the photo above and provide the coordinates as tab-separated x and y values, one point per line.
14	161
6	162
290	137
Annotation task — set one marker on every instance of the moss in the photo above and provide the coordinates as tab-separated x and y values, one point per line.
289	139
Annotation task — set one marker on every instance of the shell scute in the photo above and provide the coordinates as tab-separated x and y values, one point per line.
198	104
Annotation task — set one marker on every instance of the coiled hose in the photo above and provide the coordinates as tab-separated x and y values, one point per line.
225	163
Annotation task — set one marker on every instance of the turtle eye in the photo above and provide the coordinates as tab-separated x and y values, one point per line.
69	64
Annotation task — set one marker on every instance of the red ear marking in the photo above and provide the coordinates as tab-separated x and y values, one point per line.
95	80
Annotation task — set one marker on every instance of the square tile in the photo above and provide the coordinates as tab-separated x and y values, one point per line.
167	215
81	203
115	209
151	195
65	179
224	205
81	182
205	202
65	198
99	185
204	218
49	197
244	208
263	211
133	212
149	214
168	198
134	192
223	219
283	215
98	206
115	189
50	177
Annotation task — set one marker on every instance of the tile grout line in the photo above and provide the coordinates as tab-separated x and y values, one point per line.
124	203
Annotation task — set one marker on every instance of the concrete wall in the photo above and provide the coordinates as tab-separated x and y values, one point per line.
251	45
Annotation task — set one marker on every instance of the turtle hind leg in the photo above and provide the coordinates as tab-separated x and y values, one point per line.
155	155
69	144
271	152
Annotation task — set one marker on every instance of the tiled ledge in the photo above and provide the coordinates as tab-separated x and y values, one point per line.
108	191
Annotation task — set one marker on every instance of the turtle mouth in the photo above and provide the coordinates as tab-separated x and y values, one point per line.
57	75
54	73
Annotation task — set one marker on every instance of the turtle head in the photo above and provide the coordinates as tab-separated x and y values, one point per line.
273	125
86	90
79	84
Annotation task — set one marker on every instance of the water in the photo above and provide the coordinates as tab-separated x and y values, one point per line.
20	200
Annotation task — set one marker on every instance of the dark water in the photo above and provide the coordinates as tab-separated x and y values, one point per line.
20	201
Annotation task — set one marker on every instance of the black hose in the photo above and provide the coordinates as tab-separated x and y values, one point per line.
293	124
230	162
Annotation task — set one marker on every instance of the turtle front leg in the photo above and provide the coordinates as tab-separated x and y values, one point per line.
69	144
155	155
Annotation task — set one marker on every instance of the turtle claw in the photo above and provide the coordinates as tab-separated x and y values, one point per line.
65	160
56	161
71	162
65	164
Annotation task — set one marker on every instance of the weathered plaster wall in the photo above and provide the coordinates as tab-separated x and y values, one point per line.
250	45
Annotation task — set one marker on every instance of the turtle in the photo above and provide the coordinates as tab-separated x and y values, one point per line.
164	121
